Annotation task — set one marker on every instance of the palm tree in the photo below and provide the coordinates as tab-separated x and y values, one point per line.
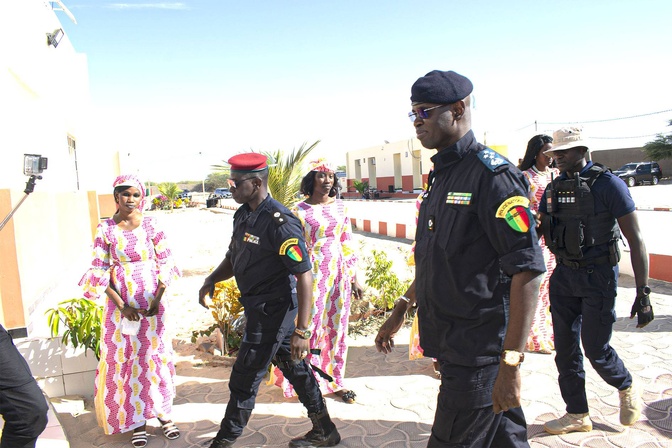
285	173
169	190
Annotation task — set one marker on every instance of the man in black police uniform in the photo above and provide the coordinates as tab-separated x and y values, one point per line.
581	213
268	257
22	404
478	266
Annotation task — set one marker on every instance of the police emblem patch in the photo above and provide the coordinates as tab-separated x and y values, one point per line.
454	197
516	213
291	248
248	238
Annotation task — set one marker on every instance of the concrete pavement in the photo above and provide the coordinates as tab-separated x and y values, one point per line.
396	397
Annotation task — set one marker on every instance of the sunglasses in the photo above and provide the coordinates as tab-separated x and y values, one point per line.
236	183
422	112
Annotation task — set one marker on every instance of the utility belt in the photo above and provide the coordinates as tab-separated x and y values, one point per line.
606	259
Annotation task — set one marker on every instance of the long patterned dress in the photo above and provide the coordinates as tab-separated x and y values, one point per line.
540	338
329	240
134	379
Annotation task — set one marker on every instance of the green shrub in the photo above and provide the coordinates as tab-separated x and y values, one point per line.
379	275
82	318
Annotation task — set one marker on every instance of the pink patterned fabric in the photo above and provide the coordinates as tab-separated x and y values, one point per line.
329	239
540	338
134	379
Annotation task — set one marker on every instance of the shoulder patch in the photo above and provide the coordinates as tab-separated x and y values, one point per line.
515	211
491	159
279	218
292	249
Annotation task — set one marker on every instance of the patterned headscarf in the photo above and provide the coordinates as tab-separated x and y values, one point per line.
321	165
131	180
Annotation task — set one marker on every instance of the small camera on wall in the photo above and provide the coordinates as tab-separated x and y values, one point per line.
34	164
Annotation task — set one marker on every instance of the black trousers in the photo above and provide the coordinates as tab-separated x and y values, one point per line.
248	372
464	417
22	404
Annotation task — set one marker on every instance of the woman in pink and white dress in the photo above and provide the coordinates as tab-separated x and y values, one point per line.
329	240
131	267
536	166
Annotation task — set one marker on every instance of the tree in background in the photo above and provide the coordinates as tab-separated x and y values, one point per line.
660	148
286	171
218	178
170	190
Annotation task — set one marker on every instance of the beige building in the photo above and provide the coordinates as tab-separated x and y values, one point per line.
44	107
398	169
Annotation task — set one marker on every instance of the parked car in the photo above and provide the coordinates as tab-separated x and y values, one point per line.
636	173
221	193
186	194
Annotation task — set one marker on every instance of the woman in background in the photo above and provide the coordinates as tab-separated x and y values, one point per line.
537	168
328	235
132	266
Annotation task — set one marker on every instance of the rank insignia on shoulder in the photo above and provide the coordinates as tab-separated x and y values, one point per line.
279	218
292	249
491	159
454	197
248	238
515	211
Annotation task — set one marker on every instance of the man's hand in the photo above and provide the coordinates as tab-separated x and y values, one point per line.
642	307
385	337
299	347
506	391
208	289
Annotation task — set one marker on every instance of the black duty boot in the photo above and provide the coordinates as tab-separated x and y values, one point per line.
221	443
324	432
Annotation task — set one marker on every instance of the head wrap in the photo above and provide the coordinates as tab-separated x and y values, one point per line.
321	165
131	180
441	88
250	162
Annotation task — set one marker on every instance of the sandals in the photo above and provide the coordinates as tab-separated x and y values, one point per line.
139	439
170	430
347	396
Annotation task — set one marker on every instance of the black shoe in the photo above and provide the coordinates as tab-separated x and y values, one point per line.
324	432
316	439
221	443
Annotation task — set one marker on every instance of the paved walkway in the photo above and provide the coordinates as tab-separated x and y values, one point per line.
396	397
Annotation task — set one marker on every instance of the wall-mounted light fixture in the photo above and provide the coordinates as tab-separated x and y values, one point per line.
54	38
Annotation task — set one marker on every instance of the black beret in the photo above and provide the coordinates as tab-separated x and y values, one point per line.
441	88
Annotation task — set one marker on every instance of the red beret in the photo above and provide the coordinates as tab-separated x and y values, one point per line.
250	162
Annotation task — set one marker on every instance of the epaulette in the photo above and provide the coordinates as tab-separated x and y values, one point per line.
491	159
278	217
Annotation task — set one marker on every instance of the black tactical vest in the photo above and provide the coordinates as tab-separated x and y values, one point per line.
572	224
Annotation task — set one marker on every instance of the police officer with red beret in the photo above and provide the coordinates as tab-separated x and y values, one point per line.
268	257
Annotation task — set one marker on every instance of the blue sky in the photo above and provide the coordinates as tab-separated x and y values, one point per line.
181	85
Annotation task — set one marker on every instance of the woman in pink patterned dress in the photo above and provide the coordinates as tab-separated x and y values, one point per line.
536	166
329	239
132	266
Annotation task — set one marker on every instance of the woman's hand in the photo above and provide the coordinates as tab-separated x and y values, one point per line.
357	290
131	313
153	309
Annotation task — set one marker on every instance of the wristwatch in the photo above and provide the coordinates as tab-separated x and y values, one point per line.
512	358
303	334
643	290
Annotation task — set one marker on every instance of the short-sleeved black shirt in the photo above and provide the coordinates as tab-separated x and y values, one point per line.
267	249
474	232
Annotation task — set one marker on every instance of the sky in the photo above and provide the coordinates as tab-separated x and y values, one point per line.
179	86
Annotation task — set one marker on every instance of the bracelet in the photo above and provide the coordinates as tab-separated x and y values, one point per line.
402	298
122	308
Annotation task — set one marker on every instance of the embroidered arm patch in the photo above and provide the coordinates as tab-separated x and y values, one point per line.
292	249
515	211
